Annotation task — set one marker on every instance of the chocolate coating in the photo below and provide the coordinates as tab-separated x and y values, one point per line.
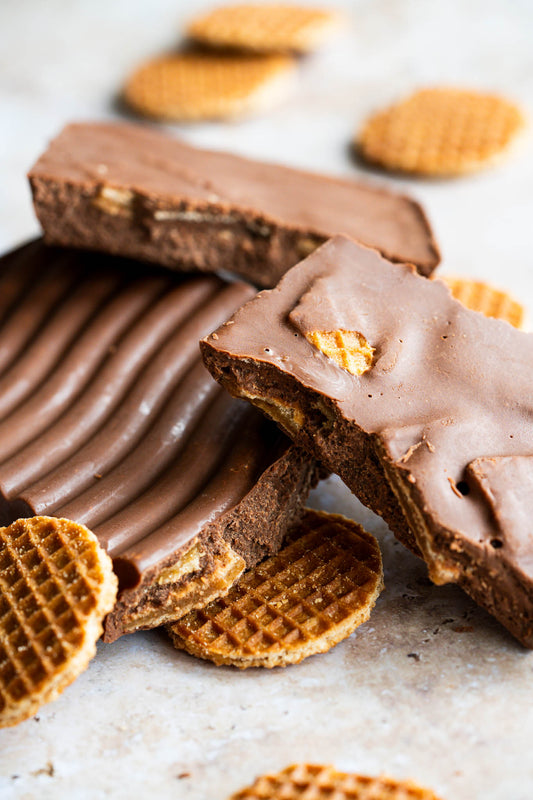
132	191
438	433
108	417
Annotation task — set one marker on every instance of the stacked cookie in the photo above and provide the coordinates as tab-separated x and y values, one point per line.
238	60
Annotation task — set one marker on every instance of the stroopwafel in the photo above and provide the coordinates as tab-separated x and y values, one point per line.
441	132
56	586
481	296
315	592
267	28
197	85
316	782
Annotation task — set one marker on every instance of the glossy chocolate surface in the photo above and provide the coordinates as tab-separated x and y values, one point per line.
446	408
132	191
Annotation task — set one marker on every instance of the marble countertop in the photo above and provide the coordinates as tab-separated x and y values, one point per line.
431	688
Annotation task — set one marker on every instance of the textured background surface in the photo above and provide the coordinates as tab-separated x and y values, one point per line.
431	688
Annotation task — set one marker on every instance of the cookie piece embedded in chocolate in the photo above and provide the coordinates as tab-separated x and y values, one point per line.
432	434
135	192
108	417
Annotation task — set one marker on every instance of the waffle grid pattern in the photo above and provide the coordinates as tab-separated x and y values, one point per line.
440	131
204	85
274	27
49	584
314	782
294	603
349	349
490	301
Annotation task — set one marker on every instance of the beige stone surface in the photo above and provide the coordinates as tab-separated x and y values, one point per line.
431	688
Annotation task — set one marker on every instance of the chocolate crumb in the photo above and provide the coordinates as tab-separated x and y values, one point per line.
48	769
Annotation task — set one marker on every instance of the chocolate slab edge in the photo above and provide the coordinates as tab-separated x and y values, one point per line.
131	191
247	533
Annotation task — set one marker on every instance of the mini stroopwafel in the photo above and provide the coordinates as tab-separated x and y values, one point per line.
492	302
194	86
441	132
270	27
302	601
56	586
315	782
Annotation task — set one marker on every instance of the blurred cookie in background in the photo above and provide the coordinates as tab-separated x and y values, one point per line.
266	27
193	86
441	132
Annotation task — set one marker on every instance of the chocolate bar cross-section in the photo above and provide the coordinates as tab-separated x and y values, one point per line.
424	408
132	191
108	417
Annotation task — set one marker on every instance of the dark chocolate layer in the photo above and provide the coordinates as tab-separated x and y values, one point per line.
108	417
438	432
132	191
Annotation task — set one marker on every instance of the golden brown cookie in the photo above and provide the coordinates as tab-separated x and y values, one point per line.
481	296
197	85
441	132
307	598
315	782
56	586
266	28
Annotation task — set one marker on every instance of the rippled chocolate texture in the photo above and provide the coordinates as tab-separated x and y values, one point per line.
108	417
436	435
132	191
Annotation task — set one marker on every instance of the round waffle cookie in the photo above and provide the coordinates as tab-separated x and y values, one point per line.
269	27
314	782
56	586
483	297
302	601
440	132
195	86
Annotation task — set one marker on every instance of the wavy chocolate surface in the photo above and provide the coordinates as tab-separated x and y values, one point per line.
107	414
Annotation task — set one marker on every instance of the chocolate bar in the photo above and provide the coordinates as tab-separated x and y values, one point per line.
423	407
108	417
131	191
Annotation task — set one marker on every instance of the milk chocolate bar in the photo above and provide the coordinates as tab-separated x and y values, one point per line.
423	407
132	191
109	417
